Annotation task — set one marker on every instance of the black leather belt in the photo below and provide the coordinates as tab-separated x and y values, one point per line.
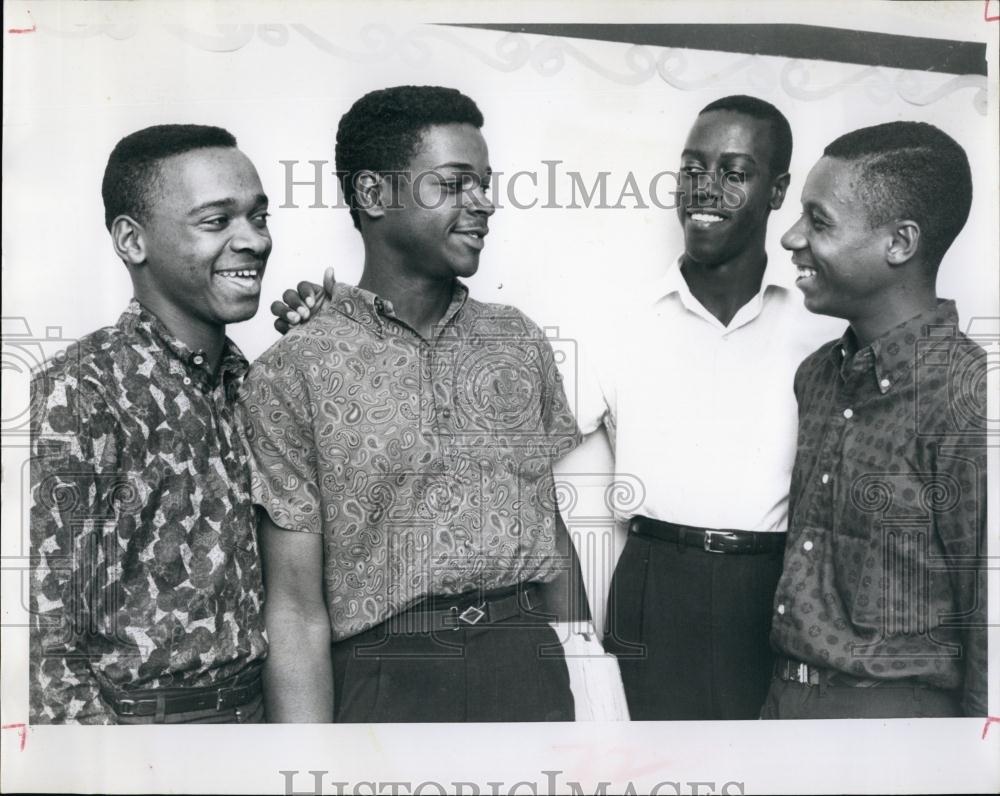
231	693
469	610
708	539
792	671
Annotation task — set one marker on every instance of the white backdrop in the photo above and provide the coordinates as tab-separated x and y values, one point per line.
279	76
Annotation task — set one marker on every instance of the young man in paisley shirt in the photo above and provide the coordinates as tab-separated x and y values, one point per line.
403	441
146	588
880	611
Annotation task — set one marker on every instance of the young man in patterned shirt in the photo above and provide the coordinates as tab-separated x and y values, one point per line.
403	441
146	589
880	611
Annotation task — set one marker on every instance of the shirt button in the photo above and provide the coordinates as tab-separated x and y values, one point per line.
781	609
445	413
187	380
848	413
807	546
826	478
884	384
199	359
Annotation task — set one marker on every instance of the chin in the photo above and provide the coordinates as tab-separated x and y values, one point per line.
464	272
239	313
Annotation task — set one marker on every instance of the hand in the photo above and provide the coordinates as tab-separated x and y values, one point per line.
297	307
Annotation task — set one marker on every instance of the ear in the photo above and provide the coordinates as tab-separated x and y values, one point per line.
127	236
368	191
779	186
904	242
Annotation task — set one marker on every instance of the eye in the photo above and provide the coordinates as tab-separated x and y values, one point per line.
736	176
260	219
817	223
215	222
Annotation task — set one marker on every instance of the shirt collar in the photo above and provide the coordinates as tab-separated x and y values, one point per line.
138	319
672	281
893	355
370	310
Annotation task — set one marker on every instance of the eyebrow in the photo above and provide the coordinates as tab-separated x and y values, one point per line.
462	166
723	156
226	204
813	206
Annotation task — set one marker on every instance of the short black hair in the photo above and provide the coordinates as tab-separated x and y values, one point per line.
382	131
755	108
910	170
131	174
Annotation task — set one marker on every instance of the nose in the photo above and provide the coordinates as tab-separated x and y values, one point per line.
480	201
249	237
794	239
703	188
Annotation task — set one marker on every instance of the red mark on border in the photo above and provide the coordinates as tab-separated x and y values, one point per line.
986	12
22	731
34	27
986	727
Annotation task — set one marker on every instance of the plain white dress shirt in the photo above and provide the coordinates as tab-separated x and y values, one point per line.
701	416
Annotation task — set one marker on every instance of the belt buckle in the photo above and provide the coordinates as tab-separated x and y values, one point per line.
709	535
470	616
125	707
221	697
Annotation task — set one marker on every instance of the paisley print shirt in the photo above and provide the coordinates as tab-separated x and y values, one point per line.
884	573
425	464
145	570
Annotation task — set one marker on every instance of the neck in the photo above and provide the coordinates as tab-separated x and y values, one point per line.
194	333
891	308
725	287
419	300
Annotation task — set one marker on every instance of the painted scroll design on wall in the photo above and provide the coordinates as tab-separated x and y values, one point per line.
548	56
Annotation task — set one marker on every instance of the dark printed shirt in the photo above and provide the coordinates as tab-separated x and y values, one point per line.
426	464
883	575
145	570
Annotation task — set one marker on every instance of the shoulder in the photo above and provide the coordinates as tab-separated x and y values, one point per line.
487	318
951	386
818	367
87	365
291	351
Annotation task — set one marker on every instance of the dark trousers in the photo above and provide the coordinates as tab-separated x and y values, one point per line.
798	701
691	630
507	671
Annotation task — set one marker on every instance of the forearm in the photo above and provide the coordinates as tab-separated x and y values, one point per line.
298	673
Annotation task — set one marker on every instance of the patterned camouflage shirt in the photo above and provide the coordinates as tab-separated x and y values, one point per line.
145	570
884	564
426	464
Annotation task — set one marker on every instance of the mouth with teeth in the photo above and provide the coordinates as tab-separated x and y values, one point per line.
706	218
245	279
804	273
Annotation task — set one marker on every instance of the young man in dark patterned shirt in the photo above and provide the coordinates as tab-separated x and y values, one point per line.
881	607
146	589
403	441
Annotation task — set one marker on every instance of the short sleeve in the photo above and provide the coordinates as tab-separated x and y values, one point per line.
279	414
557	419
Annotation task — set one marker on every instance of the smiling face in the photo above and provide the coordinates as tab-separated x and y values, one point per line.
441	209
205	239
727	189
841	259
